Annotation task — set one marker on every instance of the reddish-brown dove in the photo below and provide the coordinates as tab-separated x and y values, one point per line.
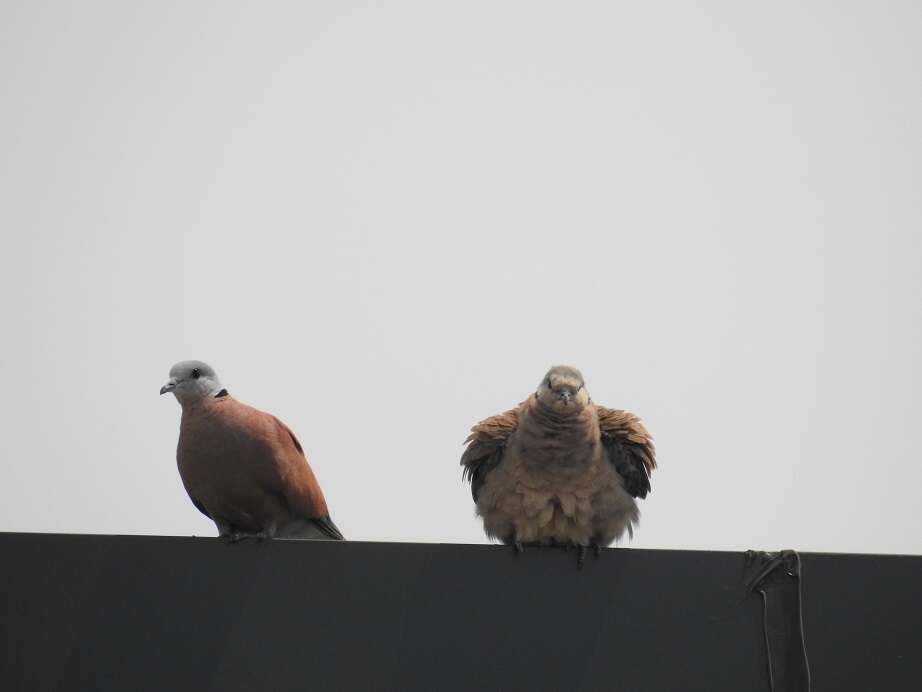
559	470
243	468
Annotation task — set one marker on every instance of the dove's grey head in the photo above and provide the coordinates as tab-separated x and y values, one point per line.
563	389
191	381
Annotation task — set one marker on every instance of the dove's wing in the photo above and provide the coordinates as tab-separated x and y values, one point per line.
629	448
486	445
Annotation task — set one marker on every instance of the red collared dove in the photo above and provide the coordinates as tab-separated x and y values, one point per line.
559	470
243	468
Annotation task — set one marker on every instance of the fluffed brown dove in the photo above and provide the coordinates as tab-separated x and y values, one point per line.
558	469
243	468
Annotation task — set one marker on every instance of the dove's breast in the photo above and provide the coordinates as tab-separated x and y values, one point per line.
556	486
230	469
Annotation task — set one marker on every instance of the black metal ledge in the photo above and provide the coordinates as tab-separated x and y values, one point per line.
150	613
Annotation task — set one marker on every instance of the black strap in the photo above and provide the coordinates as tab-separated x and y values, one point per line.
776	577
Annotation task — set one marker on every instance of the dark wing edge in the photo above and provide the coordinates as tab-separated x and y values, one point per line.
328	528
485	447
630	449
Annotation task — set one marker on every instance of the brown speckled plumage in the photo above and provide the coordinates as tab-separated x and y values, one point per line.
548	472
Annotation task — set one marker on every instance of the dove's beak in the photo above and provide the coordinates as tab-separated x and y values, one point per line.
168	387
565	396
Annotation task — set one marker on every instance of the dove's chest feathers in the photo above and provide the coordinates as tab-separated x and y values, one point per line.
554	485
555	448
224	456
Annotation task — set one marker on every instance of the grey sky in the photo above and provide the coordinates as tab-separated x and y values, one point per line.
383	222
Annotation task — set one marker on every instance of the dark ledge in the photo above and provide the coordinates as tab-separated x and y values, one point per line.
156	613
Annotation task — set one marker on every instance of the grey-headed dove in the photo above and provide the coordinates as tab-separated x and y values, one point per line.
243	468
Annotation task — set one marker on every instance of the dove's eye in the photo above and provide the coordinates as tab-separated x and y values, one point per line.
549	385
196	373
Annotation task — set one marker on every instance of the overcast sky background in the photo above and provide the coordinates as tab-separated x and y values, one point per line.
383	222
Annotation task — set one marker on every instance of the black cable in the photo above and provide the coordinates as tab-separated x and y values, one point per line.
757	583
800	618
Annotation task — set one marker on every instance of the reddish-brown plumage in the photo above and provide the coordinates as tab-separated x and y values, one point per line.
245	468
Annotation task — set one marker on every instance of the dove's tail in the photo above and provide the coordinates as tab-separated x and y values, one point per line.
315	528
